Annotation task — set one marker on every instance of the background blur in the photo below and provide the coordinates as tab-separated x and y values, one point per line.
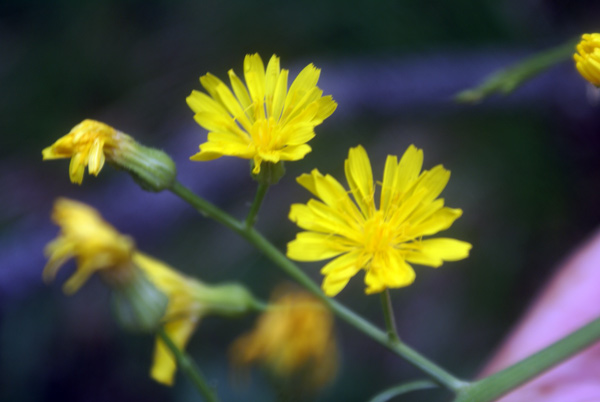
525	171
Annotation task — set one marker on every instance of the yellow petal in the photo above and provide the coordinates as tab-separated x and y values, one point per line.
360	179
163	367
339	271
433	252
438	221
311	246
240	92
388	270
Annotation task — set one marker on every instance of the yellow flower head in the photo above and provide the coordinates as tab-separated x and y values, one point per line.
86	145
587	58
381	241
95	244
293	338
261	120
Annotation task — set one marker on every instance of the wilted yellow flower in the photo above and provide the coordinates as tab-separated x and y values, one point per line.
381	241
86	145
92	143
95	244
261	120
293	338
587	58
184	310
179	302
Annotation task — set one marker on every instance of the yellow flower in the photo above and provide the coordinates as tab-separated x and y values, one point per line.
92	143
95	244
262	120
294	338
86	145
381	241
184	310
135	278
587	58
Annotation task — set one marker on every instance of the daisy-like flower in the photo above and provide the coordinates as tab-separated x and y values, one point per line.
383	241
86	145
262	120
293	338
587	58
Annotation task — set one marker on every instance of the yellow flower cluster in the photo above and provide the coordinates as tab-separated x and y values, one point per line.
382	241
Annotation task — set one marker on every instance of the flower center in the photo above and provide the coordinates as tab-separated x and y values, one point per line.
266	135
378	234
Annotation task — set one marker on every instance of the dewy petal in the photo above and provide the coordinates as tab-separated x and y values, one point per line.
164	366
311	246
433	252
360	179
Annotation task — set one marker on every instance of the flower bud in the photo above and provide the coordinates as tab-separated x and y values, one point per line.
138	305
270	173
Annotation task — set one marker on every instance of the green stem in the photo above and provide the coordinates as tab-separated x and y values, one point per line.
393	392
388	316
496	385
189	368
440	375
506	80
258	199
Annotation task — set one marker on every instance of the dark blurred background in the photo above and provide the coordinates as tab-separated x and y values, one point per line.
525	170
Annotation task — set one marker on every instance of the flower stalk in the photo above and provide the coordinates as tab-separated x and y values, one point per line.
388	315
261	191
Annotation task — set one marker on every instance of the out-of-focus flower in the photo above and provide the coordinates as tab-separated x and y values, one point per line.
587	58
262	120
293	339
146	292
189	301
92	143
381	241
95	244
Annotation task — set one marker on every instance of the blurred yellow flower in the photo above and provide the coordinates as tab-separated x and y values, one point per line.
95	244
587	58
262	120
381	241
293	339
185	308
86	145
142	283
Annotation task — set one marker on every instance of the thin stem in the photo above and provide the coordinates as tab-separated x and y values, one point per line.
397	390
388	316
189	368
437	373
496	385
261	191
